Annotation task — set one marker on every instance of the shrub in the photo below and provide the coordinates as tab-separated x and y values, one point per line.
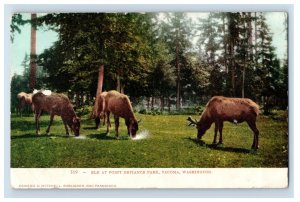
83	110
143	111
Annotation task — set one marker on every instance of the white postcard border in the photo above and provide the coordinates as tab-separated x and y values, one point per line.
10	192
120	178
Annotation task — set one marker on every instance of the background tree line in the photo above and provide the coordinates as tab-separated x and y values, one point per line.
153	58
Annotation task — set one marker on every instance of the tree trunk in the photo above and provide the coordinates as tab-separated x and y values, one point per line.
225	44
233	37
100	80
152	103
148	103
162	103
121	88
255	35
88	99
99	90
178	96
178	74
249	52
169	105
266	105
81	99
243	80
118	84
250	37
32	81
232	68
77	99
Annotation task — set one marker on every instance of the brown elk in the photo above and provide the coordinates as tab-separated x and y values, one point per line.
55	104
235	110
98	111
24	100
119	105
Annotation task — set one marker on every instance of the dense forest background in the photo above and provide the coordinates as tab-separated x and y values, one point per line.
153	58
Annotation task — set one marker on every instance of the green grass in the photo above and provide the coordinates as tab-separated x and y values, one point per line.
170	144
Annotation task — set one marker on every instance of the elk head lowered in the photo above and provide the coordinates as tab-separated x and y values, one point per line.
234	110
200	127
120	106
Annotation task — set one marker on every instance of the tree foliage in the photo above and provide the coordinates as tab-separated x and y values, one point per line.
155	55
242	59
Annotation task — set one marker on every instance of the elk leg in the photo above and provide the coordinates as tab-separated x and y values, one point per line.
37	118
220	131
108	122
104	117
97	122
50	123
216	133
127	124
117	123
253	127
66	127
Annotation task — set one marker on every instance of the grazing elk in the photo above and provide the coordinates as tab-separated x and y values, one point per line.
24	100
119	105
235	110
55	104
98	112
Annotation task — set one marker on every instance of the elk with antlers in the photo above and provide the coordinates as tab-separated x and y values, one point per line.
235	110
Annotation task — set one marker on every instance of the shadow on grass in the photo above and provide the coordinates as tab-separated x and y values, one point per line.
104	136
24	115
30	135
218	147
90	128
24	125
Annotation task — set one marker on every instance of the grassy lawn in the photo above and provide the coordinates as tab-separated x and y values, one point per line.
170	144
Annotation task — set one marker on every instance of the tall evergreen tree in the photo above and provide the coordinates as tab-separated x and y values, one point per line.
176	33
33	52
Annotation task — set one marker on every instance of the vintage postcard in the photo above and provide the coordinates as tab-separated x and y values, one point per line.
149	100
